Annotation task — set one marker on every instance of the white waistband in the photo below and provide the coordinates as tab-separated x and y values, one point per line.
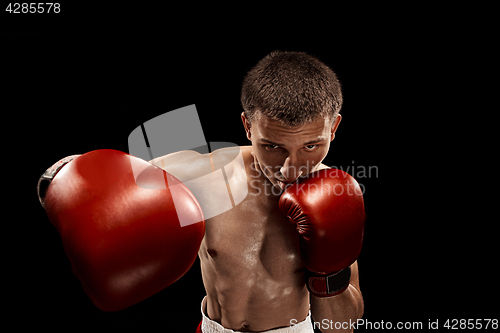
210	326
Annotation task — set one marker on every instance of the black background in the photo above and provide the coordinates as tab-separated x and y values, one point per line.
84	79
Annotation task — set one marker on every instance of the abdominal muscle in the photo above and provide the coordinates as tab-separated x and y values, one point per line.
251	269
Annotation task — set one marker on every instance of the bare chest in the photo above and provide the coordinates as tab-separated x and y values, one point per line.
252	237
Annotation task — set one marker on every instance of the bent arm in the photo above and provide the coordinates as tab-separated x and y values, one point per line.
343	309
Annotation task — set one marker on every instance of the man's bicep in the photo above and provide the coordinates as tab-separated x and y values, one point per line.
185	165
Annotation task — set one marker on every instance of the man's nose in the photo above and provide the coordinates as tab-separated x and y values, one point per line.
290	169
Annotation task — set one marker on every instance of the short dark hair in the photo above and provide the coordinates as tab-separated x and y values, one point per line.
291	87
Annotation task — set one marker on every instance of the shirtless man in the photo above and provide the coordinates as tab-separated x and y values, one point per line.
253	267
250	256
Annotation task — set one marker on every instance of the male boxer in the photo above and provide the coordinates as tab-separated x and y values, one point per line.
252	257
284	253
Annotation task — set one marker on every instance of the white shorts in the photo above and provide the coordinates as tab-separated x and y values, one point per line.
210	326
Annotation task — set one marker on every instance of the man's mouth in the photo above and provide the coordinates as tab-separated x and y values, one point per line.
284	185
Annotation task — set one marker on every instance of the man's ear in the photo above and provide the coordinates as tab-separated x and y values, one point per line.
335	125
247	125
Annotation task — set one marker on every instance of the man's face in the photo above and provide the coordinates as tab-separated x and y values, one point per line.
285	154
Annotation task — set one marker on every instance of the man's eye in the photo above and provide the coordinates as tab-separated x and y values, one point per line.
272	147
311	147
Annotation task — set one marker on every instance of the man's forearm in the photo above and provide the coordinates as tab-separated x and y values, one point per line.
337	313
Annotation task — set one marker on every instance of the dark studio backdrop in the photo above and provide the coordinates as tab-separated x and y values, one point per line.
85	80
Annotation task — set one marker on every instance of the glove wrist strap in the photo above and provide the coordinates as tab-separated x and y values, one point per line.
45	180
330	284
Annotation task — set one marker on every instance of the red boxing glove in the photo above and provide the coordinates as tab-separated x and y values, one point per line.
122	235
327	207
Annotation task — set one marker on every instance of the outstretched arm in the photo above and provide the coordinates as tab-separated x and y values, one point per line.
185	165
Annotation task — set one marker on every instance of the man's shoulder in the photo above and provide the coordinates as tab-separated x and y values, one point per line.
187	165
218	179
224	156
